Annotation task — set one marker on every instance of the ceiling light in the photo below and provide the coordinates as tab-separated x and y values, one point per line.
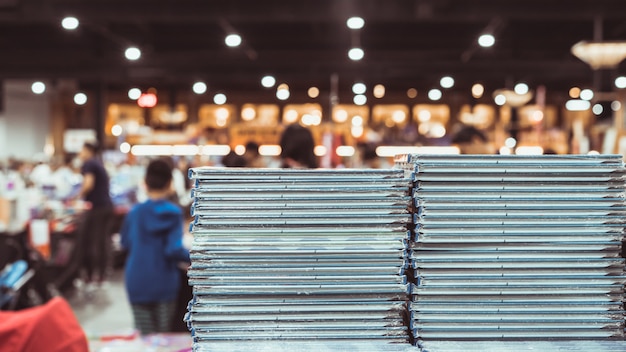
600	55
597	109
357	120
311	120
125	147
511	98
268	81
521	88
510	142
313	92
291	116
240	149
248	113
359	88
147	100
398	116
340	116
434	94
446	82
574	92
577	105
222	113
219	99
134	93
411	93
500	99
116	130
424	116
478	90
486	40
70	23
345	151
132	53
357	131
620	82
199	88
38	87
379	91
355	22
282	93
356	54
360	99
616	105
80	98
233	40
586	94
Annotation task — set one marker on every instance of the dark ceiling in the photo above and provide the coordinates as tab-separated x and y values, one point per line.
407	43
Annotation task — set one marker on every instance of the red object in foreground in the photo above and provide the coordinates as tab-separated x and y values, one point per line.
51	327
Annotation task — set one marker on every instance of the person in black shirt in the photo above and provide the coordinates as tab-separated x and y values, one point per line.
297	148
94	240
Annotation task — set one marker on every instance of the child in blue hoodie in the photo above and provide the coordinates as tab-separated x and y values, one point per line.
152	233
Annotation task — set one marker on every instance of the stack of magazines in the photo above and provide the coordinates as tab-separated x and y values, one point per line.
299	255
516	248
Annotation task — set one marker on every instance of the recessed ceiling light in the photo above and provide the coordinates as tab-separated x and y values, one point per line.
70	23
80	98
356	54
486	40
446	82
283	93
355	22
478	90
616	105
620	82
379	91
268	81
132	53
586	94
199	87
434	94
219	99
360	99
597	109
500	99
134	93
574	92
38	87
233	40
359	88
313	92
521	88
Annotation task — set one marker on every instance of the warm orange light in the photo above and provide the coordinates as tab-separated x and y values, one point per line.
574	92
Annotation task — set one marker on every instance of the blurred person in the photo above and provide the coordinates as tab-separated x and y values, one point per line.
297	147
94	239
232	159
471	140
178	193
65	178
370	158
153	235
252	156
41	174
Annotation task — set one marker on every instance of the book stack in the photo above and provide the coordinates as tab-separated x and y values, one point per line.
517	248
308	256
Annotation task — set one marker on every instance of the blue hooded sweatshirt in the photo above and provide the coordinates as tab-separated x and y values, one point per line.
152	233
